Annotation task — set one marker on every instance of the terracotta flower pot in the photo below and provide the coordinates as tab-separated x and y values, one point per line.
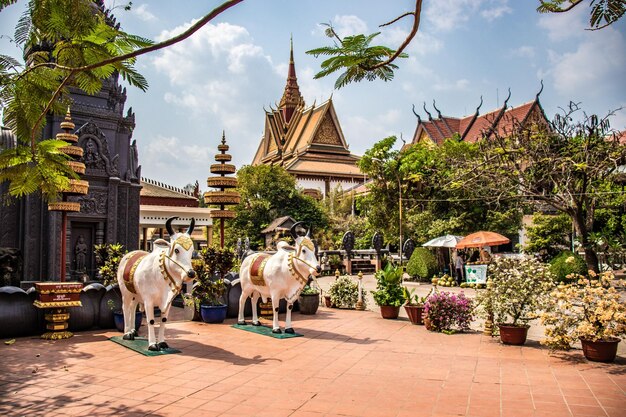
600	350
415	313
327	302
389	312
513	335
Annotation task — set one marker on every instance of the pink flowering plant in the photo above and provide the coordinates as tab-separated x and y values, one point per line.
588	308
517	291
446	310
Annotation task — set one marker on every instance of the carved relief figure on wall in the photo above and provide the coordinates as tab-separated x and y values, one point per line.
91	153
134	170
80	254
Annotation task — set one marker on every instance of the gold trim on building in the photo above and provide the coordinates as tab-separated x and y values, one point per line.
64	206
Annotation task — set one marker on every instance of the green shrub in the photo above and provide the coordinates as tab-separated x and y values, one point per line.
389	290
209	287
344	292
422	264
108	258
567	263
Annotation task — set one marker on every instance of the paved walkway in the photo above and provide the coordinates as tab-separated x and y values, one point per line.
348	363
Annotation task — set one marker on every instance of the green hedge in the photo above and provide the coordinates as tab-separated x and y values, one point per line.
567	263
422	265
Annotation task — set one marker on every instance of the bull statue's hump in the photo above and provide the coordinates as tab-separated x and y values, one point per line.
282	245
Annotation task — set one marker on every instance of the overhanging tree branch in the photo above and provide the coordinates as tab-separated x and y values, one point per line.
416	23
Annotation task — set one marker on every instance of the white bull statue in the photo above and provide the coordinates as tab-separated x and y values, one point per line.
277	276
154	279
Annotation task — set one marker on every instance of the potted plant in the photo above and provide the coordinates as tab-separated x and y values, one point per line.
588	309
414	306
309	300
445	312
335	263
389	294
344	292
118	316
209	287
108	258
517	289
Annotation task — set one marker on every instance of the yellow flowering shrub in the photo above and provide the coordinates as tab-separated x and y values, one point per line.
588	308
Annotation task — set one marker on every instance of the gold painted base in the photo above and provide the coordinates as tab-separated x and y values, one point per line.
488	329
360	306
57	335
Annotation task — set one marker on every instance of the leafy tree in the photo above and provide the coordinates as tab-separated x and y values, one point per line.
422	264
603	12
548	235
342	218
566	263
568	167
268	192
435	199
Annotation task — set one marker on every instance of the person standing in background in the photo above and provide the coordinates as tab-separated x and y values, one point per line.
458	267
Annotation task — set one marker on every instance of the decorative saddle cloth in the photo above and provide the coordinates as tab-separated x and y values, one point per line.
257	267
133	259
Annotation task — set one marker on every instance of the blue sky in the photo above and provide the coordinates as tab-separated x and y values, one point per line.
223	76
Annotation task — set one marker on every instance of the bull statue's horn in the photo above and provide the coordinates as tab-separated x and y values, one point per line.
294	234
168	225
191	226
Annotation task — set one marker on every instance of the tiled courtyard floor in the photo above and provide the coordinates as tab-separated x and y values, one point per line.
348	363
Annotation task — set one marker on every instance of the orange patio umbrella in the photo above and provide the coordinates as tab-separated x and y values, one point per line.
482	238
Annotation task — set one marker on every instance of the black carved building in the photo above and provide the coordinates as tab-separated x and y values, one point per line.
109	213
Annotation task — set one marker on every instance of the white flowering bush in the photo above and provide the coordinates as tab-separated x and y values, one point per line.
587	308
344	292
517	290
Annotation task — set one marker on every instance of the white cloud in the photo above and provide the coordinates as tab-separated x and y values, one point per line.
496	11
213	80
219	42
348	25
360	129
524	51
458	85
596	66
564	26
424	43
164	152
446	15
143	13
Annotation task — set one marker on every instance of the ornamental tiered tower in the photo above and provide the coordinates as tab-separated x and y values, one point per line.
221	197
75	187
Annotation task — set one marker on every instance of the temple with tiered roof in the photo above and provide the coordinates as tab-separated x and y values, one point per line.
502	122
308	142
